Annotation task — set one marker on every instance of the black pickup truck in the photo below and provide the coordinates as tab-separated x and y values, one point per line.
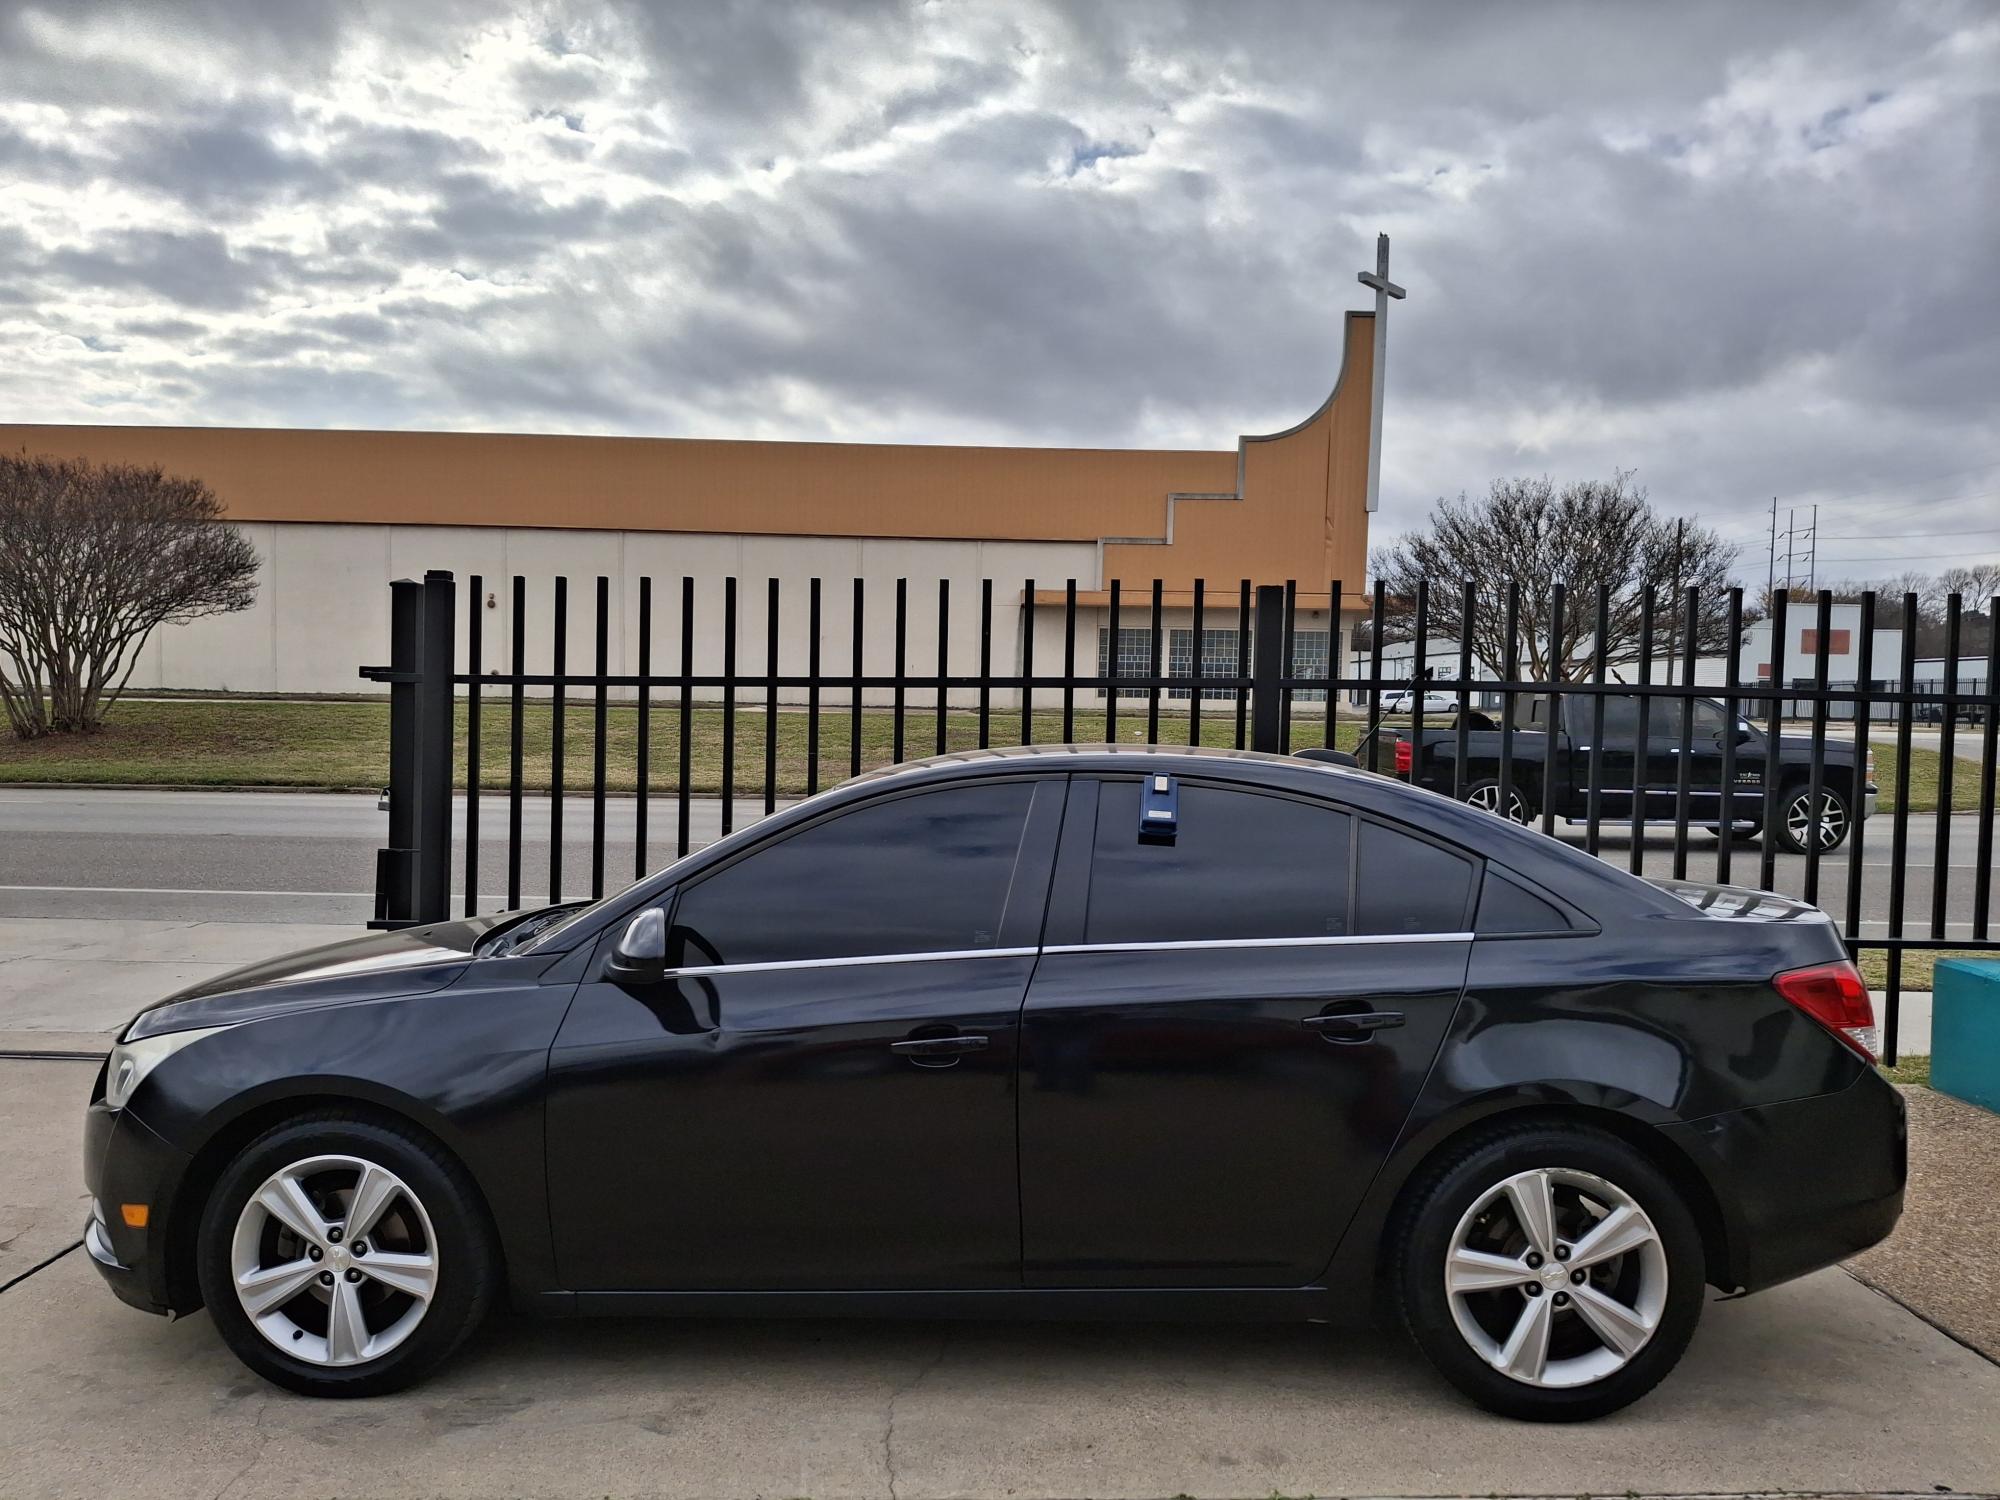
1553	769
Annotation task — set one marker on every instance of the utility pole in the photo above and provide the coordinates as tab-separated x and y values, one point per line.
1674	619
1771	566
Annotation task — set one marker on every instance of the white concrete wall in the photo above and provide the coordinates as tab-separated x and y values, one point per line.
322	607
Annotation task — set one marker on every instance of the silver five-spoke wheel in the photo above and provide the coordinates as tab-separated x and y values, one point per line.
1556	1277
334	1260
1830	827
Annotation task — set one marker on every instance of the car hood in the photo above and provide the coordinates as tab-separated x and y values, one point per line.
378	966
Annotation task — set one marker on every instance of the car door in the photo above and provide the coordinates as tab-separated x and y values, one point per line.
1609	750
820	1094
1225	1033
1706	736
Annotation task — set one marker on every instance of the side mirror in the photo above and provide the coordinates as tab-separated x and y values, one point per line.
641	954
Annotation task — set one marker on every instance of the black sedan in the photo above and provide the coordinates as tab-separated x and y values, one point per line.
1062	1032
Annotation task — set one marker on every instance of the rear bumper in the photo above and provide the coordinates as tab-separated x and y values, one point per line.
1805	1183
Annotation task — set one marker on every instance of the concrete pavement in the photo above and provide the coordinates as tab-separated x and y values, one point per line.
67	983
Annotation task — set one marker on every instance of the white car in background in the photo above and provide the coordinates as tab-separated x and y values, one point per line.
1404	701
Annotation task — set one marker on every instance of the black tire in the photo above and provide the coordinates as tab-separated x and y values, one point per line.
1520	803
1793	799
466	1260
1446	1191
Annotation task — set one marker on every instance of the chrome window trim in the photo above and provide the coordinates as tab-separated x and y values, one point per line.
1280	942
940	956
947	955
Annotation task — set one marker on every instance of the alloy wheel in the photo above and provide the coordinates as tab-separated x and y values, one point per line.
1831	826
1487	799
1556	1277
334	1260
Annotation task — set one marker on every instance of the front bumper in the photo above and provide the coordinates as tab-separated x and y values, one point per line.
1805	1183
124	1162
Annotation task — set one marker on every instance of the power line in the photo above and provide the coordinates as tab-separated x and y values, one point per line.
1908	557
1876	536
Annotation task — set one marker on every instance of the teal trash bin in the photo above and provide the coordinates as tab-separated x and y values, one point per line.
1965	1030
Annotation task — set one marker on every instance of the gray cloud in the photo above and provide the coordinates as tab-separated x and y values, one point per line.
1747	250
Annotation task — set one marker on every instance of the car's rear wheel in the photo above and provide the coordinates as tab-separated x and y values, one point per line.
1487	797
1798	826
1549	1272
343	1257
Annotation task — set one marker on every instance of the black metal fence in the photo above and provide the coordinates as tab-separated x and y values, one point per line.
700	730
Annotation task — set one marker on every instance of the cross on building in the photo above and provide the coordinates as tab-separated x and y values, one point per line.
1384	290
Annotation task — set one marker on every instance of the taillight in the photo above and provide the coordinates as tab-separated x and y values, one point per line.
1834	996
1405	757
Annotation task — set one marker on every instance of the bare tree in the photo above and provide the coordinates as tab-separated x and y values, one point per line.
93	559
1584	535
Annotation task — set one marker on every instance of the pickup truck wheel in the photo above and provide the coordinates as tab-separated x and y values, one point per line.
1798	827
1485	795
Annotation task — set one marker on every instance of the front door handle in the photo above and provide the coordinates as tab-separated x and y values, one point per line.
939	1051
1353	1026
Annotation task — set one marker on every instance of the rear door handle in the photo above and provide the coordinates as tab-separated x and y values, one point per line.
1353	1026
939	1051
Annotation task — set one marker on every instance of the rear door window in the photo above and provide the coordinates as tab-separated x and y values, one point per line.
1243	865
1407	885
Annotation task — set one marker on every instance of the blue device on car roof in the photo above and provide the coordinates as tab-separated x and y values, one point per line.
1160	808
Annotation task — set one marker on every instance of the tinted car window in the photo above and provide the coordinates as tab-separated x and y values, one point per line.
1405	885
1621	716
1241	866
919	874
1505	907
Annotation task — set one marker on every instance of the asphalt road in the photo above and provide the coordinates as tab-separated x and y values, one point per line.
310	857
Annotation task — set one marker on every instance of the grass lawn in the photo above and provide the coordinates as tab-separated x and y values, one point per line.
1924	768
217	742
1910	1070
225	742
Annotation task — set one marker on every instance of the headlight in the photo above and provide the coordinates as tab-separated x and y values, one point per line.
132	1061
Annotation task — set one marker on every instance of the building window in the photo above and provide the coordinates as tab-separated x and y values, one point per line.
1135	656
1218	659
1310	651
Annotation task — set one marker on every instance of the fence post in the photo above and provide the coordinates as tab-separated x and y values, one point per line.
1266	668
395	865
434	744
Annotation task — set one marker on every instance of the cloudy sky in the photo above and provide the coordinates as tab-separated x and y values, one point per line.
1748	250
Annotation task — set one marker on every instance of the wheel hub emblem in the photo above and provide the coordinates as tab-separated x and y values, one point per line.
338	1258
1554	1275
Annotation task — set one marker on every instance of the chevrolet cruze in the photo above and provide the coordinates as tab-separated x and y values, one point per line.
1057	1032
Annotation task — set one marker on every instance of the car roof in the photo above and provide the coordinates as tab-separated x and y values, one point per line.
1067	757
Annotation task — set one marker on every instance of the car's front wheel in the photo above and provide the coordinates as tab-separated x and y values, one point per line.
1549	1272
341	1256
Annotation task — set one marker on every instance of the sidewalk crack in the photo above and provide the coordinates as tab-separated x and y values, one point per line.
889	1424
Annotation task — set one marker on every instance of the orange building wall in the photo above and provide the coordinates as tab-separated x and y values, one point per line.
1288	505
